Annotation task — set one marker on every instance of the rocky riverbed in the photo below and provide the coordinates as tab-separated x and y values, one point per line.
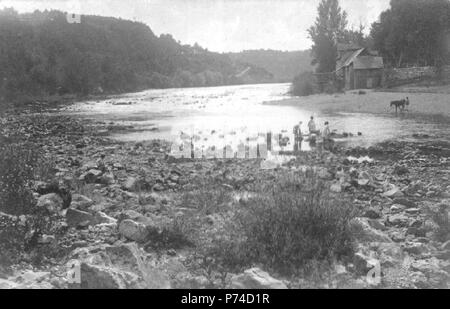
116	205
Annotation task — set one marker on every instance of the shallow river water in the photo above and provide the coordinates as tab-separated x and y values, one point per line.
234	115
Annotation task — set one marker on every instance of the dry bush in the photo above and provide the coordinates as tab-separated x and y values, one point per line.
285	226
21	223
294	221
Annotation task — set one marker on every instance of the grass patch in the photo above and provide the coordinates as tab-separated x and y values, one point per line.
286	226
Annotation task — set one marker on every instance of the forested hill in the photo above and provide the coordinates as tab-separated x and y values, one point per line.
42	54
282	64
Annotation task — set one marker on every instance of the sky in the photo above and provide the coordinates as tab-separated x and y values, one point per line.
218	25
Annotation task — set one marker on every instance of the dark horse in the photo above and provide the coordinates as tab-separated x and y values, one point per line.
401	104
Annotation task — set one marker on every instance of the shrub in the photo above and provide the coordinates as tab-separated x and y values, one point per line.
303	84
207	197
16	173
22	223
286	226
295	221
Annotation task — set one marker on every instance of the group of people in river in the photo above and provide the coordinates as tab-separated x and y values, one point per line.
314	134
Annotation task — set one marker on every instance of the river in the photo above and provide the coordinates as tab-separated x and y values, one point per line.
232	114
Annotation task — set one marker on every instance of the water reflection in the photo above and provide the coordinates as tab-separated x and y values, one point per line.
221	116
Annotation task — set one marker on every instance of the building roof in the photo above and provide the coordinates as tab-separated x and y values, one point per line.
347	47
348	58
368	62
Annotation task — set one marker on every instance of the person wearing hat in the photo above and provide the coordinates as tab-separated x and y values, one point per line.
298	138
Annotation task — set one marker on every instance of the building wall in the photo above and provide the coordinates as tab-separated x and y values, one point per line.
401	76
368	79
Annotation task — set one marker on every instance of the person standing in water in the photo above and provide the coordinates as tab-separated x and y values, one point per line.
312	126
313	132
298	137
328	142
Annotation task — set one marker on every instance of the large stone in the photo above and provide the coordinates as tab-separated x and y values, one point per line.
445	246
364	179
81	202
52	202
398	220
393	192
102	218
104	277
78	218
364	263
372	213
364	232
416	248
405	202
130	214
28	280
135	184
91	176
116	267
255	278
133	230
433	270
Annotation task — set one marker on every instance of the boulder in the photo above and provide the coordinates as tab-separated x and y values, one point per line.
377	224
405	202
396	208
372	213
115	267
104	277
81	202
445	246
364	263
398	220
102	218
135	184
77	218
434	272
133	230
107	179
412	211
28	280
52	202
416	248
393	192
364	179
255	278
401	170
91	176
364	232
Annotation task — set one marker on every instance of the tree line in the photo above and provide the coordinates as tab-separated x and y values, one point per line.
42	54
409	33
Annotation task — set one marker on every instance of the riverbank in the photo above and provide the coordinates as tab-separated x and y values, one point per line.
140	218
431	105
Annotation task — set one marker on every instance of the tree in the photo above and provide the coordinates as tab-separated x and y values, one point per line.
411	32
328	30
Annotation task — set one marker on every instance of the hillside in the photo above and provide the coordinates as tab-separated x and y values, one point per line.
42	54
283	65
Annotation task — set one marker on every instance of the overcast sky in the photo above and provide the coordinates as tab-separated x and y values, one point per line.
219	25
